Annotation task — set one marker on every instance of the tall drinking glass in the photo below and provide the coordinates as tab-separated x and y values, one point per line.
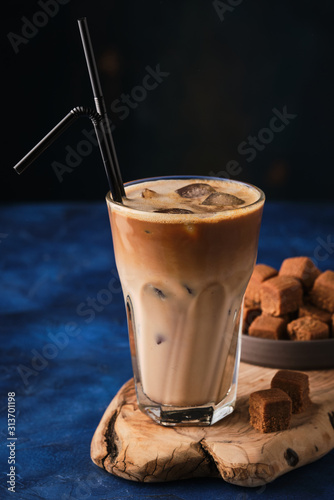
183	277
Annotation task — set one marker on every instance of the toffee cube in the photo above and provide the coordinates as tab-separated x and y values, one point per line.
249	314
261	273
322	293
307	328
296	385
268	327
281	295
270	410
301	268
316	313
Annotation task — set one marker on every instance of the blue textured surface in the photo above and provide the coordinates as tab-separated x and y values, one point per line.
54	259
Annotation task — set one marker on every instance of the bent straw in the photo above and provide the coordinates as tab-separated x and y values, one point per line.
75	113
98	98
30	157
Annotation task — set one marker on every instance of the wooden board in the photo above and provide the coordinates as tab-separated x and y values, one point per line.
129	444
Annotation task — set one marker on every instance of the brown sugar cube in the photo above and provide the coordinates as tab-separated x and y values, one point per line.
289	316
316	313
250	313
268	327
296	385
250	303
307	328
281	295
322	293
301	268
261	273
252	294
270	410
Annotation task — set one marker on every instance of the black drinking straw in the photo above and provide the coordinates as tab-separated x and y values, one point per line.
73	115
104	137
99	99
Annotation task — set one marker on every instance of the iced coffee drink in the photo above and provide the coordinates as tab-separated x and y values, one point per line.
185	249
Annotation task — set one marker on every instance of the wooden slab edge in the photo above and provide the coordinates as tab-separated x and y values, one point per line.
129	444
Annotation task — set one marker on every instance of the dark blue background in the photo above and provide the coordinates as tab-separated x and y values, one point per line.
53	258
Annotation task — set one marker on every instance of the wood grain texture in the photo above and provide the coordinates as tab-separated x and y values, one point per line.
129	444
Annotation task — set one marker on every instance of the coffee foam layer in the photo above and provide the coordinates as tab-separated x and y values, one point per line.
152	199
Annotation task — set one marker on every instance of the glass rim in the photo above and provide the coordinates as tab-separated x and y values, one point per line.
169	216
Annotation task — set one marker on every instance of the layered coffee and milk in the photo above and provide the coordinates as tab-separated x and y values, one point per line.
185	250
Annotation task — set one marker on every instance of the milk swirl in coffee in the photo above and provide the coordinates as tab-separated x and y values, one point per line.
185	250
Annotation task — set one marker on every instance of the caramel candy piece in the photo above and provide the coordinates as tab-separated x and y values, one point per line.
281	295
289	316
296	385
307	328
316	313
322	293
270	410
268	327
250	313
301	268
261	273
250	303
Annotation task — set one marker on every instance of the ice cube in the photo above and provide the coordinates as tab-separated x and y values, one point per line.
149	193
159	338
156	291
222	200
159	293
195	190
173	211
189	290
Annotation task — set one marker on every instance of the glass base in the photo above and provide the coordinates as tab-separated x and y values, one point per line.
169	415
200	415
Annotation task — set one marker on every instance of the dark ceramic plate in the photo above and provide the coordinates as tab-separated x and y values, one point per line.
290	354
